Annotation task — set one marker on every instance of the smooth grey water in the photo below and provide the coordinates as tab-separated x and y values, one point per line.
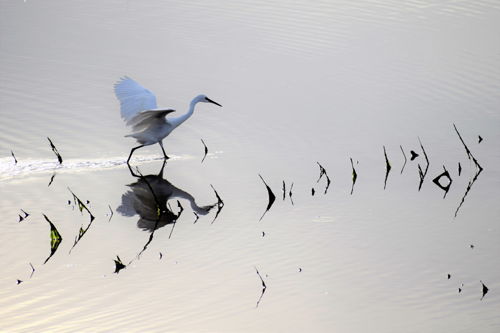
300	83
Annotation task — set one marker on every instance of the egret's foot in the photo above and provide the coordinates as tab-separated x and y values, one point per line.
163	150
131	152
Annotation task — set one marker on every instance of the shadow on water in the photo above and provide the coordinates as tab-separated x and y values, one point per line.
149	197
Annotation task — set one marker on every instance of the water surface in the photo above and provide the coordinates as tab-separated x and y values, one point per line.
300	83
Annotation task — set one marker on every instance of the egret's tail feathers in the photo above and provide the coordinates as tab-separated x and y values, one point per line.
139	137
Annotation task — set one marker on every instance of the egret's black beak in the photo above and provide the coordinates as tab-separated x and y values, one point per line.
210	101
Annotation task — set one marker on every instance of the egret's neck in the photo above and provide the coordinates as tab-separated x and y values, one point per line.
179	120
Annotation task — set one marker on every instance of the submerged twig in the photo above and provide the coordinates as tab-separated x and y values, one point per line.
469	186
52	179
446	187
206	150
354	175
404	155
32	270
119	265
328	182
479	169
421	173
14	156
22	218
54	149
284	191
387	168
220	204
145	247
413	155
111	211
485	290
271	197
181	209
322	172
81	206
467	150
264	287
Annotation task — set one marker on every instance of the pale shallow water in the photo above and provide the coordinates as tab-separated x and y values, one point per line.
300	83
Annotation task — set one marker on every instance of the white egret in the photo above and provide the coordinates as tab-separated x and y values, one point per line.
139	110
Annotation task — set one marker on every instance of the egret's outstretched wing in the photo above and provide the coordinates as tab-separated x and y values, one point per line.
133	98
148	119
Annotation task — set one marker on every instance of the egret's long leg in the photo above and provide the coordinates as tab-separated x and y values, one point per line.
132	151
163	150
160	174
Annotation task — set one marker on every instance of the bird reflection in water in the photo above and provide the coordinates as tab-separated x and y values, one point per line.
149	198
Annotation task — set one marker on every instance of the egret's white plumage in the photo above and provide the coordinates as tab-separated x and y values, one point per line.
139	110
133	98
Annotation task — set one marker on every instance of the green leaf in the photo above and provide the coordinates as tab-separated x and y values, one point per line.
55	238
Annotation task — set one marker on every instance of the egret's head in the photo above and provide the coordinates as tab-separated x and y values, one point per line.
205	99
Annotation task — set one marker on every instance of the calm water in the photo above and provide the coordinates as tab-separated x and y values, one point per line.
300	84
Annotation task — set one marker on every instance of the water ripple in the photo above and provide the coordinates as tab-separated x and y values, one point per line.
10	170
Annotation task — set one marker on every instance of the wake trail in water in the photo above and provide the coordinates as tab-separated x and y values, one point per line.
10	170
